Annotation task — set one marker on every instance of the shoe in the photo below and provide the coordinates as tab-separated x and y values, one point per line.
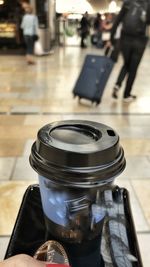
129	98
52	252
115	92
31	62
83	46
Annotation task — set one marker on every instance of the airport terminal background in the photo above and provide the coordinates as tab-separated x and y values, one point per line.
32	96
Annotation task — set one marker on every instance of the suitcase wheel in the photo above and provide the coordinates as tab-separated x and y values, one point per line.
74	95
98	102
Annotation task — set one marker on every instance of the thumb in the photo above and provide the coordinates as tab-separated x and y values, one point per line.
44	264
56	265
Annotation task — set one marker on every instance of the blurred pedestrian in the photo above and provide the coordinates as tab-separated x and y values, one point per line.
106	28
134	16
84	29
97	27
29	26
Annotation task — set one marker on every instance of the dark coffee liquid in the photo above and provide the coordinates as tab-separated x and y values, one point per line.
86	254
73	235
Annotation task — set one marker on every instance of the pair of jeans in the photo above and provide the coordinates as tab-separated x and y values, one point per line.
132	49
29	41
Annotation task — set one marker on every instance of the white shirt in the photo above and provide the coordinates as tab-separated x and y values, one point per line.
29	24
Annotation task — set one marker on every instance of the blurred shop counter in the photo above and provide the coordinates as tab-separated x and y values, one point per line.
7	30
11	41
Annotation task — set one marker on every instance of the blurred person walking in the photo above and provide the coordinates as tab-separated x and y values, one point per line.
29	25
106	30
96	37
134	16
84	29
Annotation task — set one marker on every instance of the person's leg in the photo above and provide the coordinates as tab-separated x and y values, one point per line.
30	55
29	49
81	40
137	53
99	40
26	38
126	51
107	50
121	76
119	81
83	36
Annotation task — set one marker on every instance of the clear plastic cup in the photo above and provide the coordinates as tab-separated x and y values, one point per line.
75	162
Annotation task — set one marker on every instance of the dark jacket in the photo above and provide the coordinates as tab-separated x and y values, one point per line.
120	17
84	25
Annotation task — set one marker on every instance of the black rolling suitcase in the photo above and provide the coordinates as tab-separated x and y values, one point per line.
93	78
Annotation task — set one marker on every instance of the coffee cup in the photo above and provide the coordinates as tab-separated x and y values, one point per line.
75	161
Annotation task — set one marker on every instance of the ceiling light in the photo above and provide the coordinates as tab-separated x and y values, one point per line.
112	6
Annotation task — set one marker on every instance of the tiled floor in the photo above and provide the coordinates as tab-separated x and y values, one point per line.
32	96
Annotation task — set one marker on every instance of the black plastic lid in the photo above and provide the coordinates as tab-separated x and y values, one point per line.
77	153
